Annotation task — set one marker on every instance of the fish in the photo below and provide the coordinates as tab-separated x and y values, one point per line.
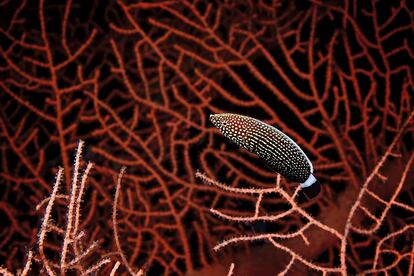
277	150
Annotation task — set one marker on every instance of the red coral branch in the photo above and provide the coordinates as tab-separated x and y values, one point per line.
138	81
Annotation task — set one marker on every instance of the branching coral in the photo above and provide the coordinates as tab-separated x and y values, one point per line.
138	81
75	254
321	229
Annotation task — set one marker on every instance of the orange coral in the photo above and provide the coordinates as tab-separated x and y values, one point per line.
137	82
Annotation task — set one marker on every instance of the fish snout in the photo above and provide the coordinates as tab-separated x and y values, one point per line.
215	119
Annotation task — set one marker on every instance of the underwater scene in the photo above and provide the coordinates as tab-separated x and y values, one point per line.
269	137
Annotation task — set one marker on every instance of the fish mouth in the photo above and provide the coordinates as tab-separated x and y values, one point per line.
221	120
214	118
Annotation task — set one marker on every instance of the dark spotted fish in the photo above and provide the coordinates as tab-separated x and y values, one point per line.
275	148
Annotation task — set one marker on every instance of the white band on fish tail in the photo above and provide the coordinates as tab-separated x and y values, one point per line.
311	179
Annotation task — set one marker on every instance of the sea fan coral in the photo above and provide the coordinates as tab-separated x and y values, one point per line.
138	80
